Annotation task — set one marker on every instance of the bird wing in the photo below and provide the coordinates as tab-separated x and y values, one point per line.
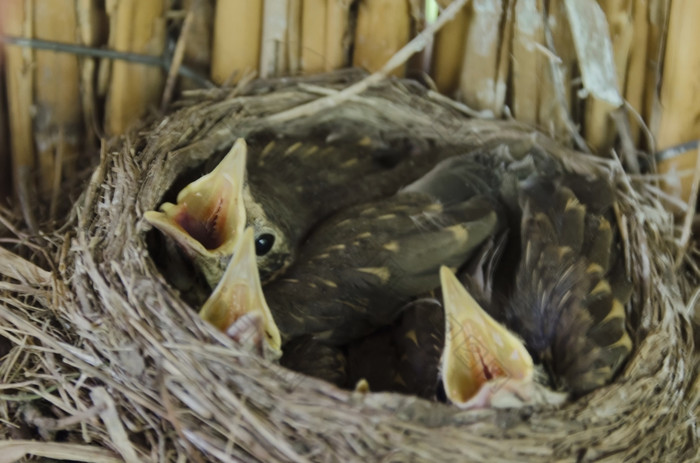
564	304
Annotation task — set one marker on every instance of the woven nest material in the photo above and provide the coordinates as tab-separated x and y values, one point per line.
106	358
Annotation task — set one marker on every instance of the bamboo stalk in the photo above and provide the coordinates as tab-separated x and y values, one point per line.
555	105
5	166
337	46
198	49
448	51
58	125
273	48
294	37
505	56
600	131
477	83
680	116
236	22
658	18
92	31
527	59
383	27
138	27
636	75
313	36
19	62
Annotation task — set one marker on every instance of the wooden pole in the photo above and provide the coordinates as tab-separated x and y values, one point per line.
19	62
680	90
236	22
58	124
478	82
138	27
448	51
383	28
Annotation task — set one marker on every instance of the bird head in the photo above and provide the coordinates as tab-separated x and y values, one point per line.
209	215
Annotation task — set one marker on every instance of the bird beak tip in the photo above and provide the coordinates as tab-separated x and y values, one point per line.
239	296
477	348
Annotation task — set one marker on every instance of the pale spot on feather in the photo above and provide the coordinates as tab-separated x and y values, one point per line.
382	273
571	203
364	141
349	163
392	246
562	251
268	148
386	217
594	269
603	287
292	148
616	311
336	247
328	283
412	336
459	232
364	235
310	150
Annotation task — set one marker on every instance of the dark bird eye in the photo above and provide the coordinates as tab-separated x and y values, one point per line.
263	244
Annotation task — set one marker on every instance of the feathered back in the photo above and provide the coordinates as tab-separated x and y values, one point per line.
564	304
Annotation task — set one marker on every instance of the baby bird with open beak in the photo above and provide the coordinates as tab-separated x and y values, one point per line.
564	323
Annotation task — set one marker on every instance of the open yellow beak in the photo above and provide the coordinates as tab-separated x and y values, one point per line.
477	349
237	305
209	215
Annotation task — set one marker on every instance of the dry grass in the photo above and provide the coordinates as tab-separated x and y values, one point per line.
104	355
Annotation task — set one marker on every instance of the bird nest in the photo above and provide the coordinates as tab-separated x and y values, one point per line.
105	362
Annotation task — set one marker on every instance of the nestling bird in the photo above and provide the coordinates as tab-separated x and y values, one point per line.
281	189
209	216
565	312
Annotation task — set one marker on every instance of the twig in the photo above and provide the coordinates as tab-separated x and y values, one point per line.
176	63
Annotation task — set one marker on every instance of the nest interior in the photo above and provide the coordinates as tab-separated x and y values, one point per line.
105	357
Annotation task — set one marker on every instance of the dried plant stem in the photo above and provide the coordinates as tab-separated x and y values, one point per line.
527	60
680	116
19	63
236	22
636	68
448	52
383	27
273	48
178	57
58	130
477	83
337	34
135	27
313	36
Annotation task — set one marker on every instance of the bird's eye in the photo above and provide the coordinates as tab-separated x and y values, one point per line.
263	244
